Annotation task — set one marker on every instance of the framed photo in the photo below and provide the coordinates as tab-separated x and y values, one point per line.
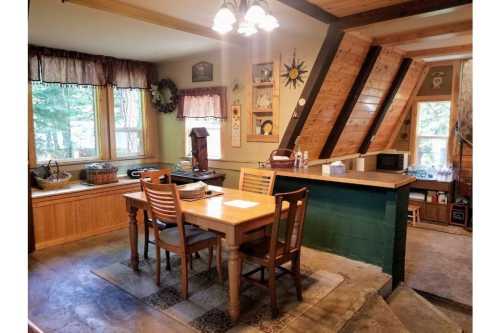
202	71
262	73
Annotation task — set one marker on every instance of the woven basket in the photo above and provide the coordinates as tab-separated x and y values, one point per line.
55	180
102	176
192	191
286	164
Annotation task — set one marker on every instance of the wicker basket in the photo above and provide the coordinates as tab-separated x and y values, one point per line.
102	176
282	164
192	190
54	180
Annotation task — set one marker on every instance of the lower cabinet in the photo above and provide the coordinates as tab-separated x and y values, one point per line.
432	211
67	217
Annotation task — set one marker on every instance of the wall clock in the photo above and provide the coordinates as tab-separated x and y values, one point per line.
294	72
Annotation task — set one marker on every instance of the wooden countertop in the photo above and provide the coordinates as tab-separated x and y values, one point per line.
370	178
78	186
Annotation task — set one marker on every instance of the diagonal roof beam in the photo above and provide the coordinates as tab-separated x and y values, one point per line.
150	16
350	103
428	33
411	8
386	104
313	84
310	9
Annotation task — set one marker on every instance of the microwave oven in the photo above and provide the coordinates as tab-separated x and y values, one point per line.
392	162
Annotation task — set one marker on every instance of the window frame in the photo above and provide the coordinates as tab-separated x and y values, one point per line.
416	119
186	139
105	132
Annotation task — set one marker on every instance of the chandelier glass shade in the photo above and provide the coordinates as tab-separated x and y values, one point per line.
247	15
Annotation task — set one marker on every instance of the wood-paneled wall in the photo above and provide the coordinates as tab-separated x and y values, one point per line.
333	93
397	108
369	101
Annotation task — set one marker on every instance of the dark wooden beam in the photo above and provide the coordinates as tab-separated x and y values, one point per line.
415	7
310	9
313	84
440	51
386	104
350	103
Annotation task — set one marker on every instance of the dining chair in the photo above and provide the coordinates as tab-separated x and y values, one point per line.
155	177
271	252
185	239
257	181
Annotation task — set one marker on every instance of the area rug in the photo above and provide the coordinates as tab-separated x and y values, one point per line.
206	308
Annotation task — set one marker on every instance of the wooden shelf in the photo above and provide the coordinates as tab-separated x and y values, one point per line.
263	85
262	111
262	138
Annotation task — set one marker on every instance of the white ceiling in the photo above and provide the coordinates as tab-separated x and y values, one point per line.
73	27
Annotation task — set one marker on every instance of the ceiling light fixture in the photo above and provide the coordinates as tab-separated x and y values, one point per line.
247	14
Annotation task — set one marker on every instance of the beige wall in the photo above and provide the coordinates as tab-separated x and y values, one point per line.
234	65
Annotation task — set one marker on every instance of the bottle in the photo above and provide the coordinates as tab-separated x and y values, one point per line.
298	159
306	159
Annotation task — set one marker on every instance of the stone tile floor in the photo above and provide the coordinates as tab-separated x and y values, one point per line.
64	296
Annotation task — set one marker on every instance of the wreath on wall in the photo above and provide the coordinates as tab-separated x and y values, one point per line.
165	96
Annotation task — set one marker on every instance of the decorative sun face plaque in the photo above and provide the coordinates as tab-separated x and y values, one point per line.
294	72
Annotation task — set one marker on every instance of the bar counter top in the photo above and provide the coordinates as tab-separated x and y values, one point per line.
369	178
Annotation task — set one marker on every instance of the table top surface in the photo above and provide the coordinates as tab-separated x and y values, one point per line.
215	208
367	178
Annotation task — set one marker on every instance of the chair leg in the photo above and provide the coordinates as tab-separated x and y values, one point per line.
167	254
158	264
418	216
191	261
184	275
272	291
296	276
218	259
414	218
210	255
146	235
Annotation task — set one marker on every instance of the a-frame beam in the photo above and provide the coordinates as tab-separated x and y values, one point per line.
350	103
313	84
435	32
310	9
415	7
150	16
386	104
450	50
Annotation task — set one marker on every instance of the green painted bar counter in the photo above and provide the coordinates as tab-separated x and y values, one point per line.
359	215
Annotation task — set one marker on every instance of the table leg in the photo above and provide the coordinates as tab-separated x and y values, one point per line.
234	270
132	234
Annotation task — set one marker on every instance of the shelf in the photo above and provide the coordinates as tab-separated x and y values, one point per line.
262	111
263	84
262	138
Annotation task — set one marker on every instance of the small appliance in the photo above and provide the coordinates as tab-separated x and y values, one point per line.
397	162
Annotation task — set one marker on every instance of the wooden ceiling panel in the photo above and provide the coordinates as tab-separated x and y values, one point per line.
362	116
342	8
333	93
390	122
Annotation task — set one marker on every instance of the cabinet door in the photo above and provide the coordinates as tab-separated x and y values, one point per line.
431	212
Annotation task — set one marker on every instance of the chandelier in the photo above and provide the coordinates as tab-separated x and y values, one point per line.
248	16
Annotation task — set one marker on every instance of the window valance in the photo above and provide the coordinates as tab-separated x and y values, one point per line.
209	102
70	67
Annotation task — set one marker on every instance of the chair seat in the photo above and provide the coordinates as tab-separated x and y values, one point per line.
259	248
193	235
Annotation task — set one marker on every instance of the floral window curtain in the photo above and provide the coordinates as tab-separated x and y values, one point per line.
60	66
203	103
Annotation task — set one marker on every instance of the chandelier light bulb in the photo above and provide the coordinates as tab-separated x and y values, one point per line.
246	28
269	23
222	28
224	17
255	14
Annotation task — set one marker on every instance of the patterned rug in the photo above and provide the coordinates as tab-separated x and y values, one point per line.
205	310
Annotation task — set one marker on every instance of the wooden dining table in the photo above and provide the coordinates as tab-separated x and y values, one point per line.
217	214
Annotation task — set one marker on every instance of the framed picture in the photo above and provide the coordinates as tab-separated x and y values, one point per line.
202	71
262	73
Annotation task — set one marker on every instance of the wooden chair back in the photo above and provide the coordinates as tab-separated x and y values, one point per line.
257	181
155	176
293	224
164	206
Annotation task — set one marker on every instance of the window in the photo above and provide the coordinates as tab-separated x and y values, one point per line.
64	119
128	117
433	127
213	141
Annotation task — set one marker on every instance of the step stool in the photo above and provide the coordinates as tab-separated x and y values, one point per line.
414	214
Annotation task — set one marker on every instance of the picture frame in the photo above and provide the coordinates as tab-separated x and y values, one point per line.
202	71
262	73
